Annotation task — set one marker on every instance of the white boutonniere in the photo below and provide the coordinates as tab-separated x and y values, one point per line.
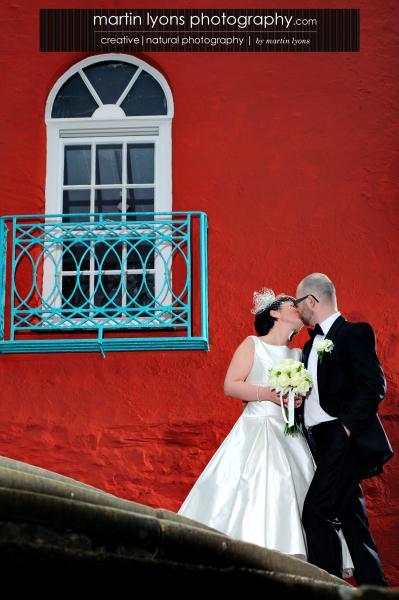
324	346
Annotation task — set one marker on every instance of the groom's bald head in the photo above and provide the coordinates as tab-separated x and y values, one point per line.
320	286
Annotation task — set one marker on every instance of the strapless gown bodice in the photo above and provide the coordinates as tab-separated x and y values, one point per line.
266	356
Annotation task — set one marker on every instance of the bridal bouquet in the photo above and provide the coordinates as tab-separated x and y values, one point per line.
290	377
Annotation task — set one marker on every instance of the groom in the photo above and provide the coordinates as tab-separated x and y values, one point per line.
343	430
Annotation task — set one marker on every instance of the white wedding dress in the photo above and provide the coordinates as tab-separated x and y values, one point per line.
254	486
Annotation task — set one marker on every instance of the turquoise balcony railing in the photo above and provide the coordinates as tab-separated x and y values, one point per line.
103	281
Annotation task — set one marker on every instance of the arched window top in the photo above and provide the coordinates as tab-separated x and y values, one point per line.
110	86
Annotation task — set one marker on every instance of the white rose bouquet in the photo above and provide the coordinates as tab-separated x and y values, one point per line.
290	377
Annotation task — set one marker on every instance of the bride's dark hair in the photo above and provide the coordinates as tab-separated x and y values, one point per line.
264	320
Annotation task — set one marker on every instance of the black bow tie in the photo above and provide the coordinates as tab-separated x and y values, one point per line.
316	331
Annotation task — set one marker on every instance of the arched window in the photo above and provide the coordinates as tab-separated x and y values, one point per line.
108	151
109	138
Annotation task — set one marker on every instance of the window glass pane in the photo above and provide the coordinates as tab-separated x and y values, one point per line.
73	100
109	201
75	257
75	292
134	297
109	164
140	256
110	78
108	292
108	257
77	165
140	200
76	201
145	98
140	163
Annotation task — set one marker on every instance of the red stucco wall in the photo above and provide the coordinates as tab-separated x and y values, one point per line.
294	157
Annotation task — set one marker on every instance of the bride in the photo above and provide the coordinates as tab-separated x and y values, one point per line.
254	486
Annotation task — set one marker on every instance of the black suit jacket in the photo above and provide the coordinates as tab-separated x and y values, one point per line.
351	384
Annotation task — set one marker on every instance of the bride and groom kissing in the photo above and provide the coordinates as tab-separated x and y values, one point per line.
301	494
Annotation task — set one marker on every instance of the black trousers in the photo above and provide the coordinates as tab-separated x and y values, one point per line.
335	499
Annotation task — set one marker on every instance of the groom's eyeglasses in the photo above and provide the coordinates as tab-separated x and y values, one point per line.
298	300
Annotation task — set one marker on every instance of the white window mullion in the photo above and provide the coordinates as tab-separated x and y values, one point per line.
93	180
129	87
90	88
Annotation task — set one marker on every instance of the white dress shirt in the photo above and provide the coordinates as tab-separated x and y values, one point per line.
313	413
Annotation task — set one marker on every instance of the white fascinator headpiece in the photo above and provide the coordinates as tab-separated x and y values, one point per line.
262	299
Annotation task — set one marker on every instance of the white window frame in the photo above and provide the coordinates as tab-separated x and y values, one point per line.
109	125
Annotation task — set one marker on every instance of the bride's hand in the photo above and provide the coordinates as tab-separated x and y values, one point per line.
297	400
273	396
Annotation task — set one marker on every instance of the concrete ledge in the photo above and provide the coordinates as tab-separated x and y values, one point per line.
43	513
155	538
23	476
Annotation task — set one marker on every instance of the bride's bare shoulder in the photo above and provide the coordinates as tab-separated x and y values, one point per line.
248	341
247	344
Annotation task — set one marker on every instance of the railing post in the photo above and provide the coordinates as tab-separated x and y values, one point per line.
3	266
189	295
12	287
204	275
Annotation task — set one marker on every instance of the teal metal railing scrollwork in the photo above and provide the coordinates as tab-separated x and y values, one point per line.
103	281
